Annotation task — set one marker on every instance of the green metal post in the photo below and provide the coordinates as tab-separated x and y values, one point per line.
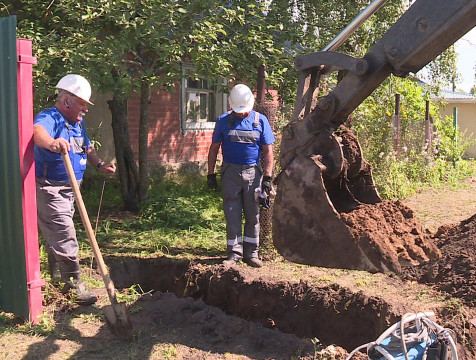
455	133
13	279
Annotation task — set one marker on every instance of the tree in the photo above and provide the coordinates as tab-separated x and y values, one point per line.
131	46
308	26
144	44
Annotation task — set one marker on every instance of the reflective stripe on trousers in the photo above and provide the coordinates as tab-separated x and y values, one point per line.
238	185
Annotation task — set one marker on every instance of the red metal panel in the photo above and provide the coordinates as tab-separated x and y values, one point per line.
27	168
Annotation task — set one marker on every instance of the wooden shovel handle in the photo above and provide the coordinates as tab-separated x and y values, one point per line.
89	230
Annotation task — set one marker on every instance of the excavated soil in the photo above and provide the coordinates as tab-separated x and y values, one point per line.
389	232
337	307
455	272
201	309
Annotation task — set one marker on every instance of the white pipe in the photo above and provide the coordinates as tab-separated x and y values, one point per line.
454	352
358	349
392	328
424	316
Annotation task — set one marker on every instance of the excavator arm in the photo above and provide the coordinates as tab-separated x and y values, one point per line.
326	186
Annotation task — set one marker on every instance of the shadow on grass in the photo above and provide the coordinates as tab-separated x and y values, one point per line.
165	327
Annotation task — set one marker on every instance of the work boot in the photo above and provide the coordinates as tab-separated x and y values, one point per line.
254	262
79	293
251	255
70	274
229	262
234	252
53	268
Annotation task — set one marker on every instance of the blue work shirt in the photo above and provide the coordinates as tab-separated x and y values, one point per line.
241	139
49	165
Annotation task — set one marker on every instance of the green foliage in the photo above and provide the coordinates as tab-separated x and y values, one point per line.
182	218
451	143
131	294
373	119
181	207
92	187
400	178
443	71
11	324
308	26
401	172
117	45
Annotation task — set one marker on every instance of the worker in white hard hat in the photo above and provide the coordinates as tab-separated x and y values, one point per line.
58	130
246	138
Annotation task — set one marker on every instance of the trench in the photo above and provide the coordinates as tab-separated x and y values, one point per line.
332	314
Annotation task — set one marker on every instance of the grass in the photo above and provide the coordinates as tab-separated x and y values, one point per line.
404	178
10	324
182	218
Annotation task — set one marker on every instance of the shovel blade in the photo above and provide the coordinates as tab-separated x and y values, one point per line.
118	320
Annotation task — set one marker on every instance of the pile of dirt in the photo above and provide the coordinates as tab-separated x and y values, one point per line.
389	233
166	327
210	329
455	271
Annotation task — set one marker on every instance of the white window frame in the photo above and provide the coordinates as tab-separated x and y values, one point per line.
207	123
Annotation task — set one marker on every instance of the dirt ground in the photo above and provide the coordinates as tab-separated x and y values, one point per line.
203	310
455	271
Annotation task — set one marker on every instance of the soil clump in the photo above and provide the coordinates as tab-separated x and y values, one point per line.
388	232
454	273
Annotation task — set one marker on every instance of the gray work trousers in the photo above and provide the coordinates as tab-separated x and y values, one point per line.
55	201
238	183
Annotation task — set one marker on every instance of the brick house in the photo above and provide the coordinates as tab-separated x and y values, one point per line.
181	123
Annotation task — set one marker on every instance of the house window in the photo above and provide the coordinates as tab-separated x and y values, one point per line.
202	102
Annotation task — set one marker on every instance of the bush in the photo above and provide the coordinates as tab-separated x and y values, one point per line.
400	173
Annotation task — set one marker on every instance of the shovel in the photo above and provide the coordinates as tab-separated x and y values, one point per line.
116	314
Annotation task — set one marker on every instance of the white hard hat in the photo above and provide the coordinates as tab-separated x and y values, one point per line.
76	85
241	99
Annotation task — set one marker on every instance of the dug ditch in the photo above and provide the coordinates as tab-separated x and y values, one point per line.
346	308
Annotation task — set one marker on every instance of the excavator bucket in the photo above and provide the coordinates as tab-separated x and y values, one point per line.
340	221
327	211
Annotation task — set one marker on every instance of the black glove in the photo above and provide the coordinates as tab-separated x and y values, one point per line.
212	181
266	184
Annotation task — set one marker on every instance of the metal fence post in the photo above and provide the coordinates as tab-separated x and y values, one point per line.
396	125
428	138
27	167
20	282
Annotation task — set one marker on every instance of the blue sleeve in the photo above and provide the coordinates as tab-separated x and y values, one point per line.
47	122
218	135
267	136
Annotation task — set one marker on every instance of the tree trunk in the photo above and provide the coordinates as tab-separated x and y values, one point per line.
144	140
126	163
260	95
